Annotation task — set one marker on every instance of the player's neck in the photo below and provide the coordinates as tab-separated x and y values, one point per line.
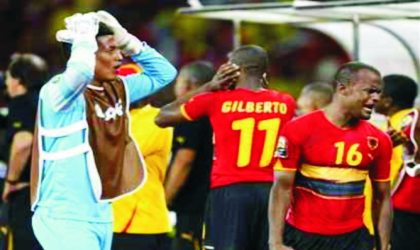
96	83
251	83
341	119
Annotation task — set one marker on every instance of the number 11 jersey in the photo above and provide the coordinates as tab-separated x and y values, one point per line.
246	127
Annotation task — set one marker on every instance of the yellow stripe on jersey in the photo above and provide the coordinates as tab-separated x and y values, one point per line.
185	114
339	175
382	180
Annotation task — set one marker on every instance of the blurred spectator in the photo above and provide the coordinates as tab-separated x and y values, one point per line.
314	96
141	219
24	76
188	182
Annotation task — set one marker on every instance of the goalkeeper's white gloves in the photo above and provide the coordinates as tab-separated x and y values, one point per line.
128	43
79	26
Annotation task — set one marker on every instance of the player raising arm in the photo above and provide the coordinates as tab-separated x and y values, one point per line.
83	154
246	122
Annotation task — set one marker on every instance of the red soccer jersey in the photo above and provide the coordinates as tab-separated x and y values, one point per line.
332	165
246	126
407	195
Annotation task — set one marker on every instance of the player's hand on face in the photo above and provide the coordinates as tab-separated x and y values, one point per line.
225	77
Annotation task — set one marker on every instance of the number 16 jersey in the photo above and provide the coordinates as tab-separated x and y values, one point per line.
246	127
332	165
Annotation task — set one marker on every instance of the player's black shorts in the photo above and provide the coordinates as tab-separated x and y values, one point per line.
122	241
405	231
237	217
359	239
189	232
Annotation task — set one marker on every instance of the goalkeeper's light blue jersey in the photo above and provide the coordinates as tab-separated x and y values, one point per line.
67	187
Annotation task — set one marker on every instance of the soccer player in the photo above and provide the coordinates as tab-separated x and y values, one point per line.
25	73
314	96
246	122
83	154
317	199
396	102
188	181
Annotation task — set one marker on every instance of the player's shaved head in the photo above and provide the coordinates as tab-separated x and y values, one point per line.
198	72
347	73
319	87
314	96
252	58
192	76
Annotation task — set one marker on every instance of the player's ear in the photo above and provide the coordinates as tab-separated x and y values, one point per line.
342	89
264	80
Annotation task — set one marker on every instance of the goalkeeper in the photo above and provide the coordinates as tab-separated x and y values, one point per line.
83	154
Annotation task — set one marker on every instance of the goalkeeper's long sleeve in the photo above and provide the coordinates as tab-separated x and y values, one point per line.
157	73
80	70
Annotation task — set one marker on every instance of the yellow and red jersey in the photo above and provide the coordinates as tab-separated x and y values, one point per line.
332	165
246	126
406	196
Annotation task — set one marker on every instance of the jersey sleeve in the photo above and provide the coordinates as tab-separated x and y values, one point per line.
61	91
199	106
187	135
23	119
288	150
157	73
382	164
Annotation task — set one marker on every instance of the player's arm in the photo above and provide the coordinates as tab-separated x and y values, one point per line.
178	172
182	163
174	113
381	200
64	89
287	156
382	212
19	156
157	71
280	196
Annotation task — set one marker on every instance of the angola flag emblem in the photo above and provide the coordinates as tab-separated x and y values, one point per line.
372	142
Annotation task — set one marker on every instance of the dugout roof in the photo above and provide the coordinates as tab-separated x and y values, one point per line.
302	11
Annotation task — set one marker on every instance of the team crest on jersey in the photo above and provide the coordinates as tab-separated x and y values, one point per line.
281	149
372	142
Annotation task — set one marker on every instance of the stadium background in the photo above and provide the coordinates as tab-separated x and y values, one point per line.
298	56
